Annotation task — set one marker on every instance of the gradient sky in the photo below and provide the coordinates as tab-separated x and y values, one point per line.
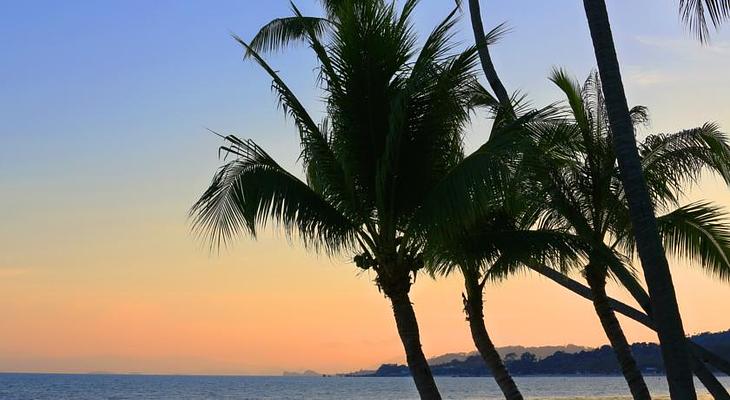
103	147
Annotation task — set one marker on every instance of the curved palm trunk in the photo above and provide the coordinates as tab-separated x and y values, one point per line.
474	307
709	357
653	260
405	319
483	49
699	354
632	374
713	385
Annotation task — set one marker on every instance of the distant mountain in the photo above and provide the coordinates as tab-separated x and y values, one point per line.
540	351
601	361
719	342
448	357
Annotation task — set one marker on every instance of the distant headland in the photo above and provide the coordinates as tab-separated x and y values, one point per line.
553	360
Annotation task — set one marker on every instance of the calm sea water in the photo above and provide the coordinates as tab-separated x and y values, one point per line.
148	387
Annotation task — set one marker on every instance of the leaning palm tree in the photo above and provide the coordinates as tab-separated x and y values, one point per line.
580	189
665	309
393	129
497	231
587	198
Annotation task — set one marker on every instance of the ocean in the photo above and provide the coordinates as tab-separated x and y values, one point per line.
165	387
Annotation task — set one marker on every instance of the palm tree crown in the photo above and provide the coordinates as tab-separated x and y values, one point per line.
393	129
586	194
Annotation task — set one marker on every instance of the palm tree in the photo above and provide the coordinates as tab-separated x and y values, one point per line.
583	197
500	240
665	309
587	198
393	130
471	246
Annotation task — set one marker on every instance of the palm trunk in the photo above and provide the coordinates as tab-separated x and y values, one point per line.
483	49
405	319
665	310
474	307
631	372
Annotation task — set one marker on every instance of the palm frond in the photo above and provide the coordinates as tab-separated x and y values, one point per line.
324	170
253	190
639	115
573	92
559	250
476	185
497	33
282	32
699	232
406	12
332	7
437	45
695	13
594	104
287	99
670	162
328	72
496	244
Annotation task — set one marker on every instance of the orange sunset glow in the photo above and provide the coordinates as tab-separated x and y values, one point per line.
161	303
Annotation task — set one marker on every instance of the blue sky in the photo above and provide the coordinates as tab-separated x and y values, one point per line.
124	86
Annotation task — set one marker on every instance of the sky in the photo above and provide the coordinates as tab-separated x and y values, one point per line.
104	146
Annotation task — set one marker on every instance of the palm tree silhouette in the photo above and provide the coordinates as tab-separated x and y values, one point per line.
491	248
393	130
498	232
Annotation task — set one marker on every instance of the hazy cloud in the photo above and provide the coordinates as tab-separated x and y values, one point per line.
644	76
686	46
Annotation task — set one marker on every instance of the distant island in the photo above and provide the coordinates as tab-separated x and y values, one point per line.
564	360
308	372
